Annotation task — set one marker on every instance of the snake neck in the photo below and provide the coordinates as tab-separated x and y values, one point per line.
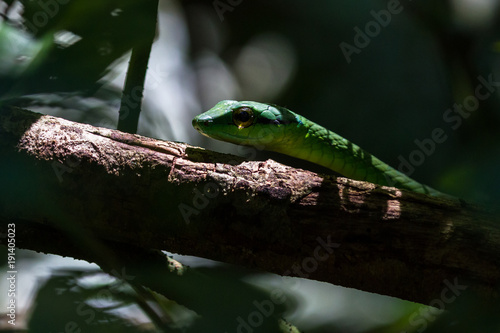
312	142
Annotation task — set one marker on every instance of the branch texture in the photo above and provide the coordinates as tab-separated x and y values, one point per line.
61	176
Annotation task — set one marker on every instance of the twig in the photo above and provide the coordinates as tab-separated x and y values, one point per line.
131	103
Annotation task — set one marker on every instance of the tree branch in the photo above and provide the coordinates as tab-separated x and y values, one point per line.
61	176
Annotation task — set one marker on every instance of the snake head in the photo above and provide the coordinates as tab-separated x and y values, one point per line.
245	123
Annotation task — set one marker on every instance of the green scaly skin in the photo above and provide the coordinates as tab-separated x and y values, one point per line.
278	129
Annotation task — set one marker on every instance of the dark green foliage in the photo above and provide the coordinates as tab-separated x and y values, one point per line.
101	32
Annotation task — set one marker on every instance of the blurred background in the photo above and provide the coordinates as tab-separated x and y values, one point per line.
384	74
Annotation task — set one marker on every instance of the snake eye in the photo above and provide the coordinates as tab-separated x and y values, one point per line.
243	117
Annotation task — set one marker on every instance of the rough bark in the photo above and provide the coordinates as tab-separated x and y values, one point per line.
64	178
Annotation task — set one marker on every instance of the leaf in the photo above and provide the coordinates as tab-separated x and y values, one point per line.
71	45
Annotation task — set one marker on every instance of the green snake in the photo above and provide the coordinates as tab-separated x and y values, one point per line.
275	128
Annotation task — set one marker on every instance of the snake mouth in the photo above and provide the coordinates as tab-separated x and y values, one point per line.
201	119
246	141
197	126
232	138
205	122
